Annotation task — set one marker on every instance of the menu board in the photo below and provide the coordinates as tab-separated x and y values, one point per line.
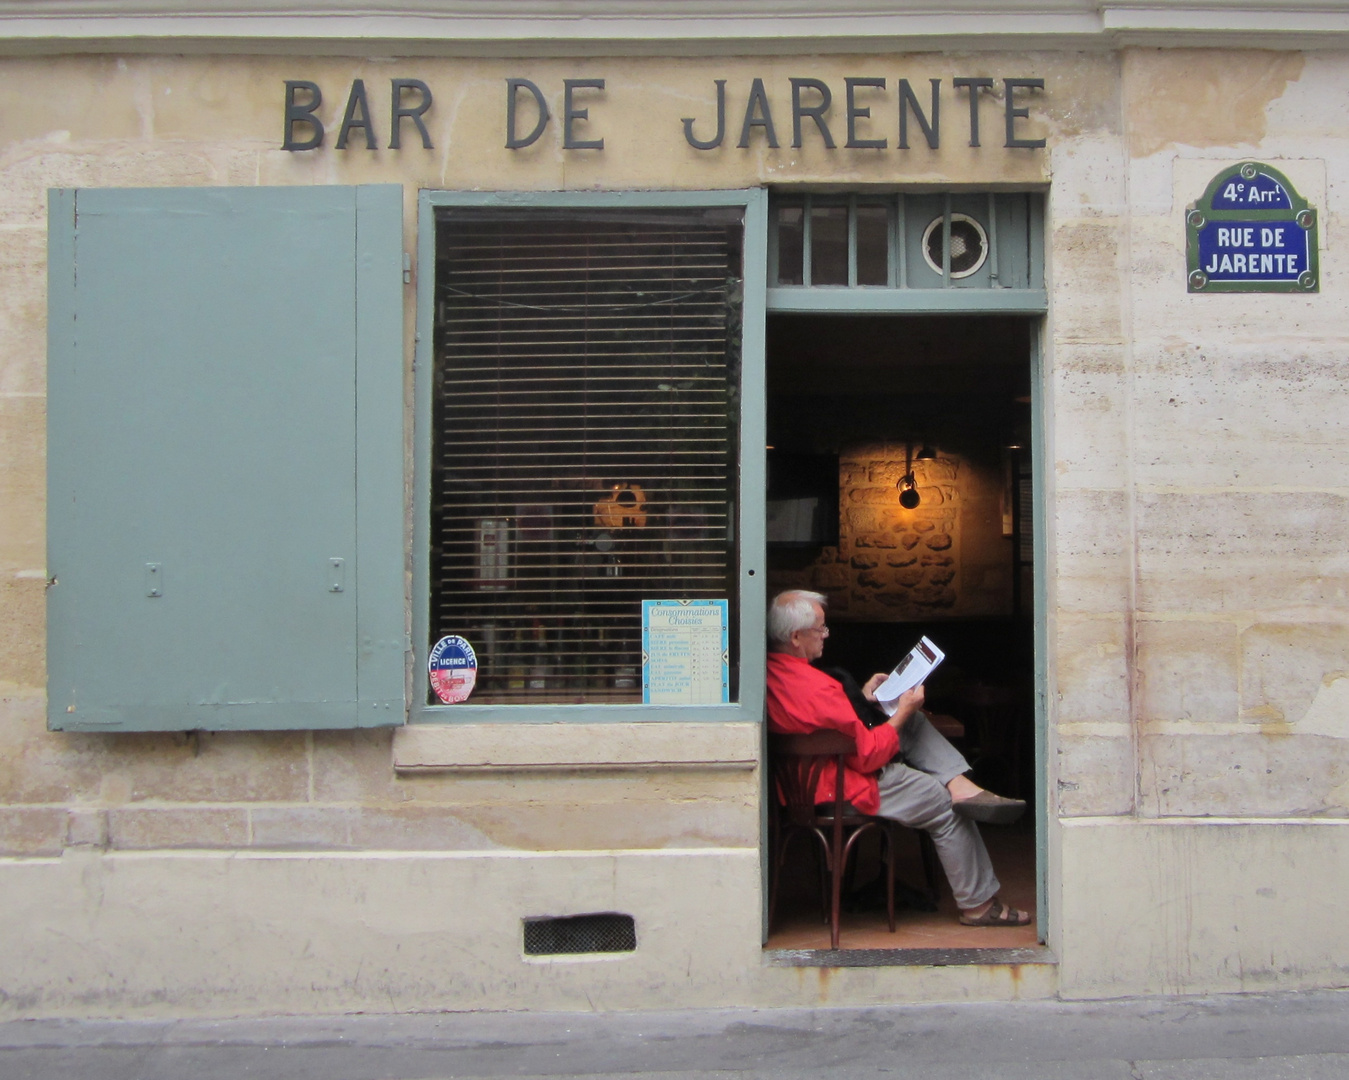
685	652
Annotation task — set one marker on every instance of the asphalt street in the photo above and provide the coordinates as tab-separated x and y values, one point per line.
1255	1037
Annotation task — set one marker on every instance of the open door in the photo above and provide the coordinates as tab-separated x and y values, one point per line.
902	485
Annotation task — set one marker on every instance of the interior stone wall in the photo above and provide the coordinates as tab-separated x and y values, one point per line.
903	563
945	558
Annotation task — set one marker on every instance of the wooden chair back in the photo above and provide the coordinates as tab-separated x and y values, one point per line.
799	762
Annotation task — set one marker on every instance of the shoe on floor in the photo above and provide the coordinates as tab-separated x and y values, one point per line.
989	808
998	914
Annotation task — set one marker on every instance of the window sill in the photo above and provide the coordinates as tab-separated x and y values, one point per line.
553	747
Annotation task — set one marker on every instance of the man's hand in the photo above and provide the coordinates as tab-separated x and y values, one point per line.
869	690
909	703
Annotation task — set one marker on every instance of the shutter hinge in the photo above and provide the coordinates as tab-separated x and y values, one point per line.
407	268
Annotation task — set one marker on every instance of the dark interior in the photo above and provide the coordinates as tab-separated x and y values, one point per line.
870	392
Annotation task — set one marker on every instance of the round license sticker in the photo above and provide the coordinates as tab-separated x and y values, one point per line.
454	669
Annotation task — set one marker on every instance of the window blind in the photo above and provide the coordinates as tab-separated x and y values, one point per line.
586	405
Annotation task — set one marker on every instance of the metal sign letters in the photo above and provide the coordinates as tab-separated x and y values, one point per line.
817	112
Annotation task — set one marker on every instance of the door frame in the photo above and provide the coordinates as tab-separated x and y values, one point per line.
1033	303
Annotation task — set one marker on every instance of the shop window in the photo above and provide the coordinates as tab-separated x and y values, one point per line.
585	447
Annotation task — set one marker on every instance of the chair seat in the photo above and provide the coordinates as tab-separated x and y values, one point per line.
825	811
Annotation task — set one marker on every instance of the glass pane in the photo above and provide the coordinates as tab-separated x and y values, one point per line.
873	245
829	245
791	244
587	381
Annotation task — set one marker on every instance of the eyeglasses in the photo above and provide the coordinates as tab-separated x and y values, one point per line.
823	631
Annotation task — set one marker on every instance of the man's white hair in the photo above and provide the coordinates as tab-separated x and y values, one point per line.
790	611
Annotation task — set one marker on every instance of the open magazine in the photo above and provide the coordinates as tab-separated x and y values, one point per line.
920	662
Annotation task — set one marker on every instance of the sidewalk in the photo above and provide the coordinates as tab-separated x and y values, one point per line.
1284	1036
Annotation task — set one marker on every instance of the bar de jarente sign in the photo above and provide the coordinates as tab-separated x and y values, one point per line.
857	112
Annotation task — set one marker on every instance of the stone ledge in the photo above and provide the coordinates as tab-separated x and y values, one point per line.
552	747
1179	821
610	27
831	958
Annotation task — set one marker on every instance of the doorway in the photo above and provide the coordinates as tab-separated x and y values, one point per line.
861	410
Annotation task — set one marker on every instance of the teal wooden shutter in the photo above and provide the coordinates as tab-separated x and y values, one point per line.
225	459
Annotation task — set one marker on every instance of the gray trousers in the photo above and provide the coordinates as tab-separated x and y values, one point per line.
913	792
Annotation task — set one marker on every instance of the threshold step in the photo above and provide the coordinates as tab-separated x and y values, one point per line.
1038	954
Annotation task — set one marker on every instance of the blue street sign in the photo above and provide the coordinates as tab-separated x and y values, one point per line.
1261	192
1251	232
1254	250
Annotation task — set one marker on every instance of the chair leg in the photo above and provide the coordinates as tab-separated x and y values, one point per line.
890	858
838	858
825	870
929	853
849	870
835	904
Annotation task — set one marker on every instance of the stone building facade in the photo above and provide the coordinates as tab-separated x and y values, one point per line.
1195	636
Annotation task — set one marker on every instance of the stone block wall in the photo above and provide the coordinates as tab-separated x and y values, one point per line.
906	562
1196	444
945	558
1197	582
335	791
1198	591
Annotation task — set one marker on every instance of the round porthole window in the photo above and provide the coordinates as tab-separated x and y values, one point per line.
969	245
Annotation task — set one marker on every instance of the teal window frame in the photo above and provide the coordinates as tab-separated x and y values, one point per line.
900	297
1027	296
751	480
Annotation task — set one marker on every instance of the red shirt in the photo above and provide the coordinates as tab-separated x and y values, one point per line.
801	700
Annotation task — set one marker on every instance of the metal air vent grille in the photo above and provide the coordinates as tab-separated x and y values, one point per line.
608	932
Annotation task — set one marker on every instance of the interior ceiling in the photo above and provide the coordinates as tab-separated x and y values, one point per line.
928	354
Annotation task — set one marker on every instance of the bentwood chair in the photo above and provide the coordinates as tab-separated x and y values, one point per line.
797	763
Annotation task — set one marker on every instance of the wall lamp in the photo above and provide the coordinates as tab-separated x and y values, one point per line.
908	487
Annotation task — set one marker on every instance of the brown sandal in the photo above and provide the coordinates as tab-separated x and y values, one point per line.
998	914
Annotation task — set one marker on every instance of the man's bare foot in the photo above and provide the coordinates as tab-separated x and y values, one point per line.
994	913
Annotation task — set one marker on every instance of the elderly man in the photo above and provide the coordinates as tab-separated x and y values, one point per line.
903	769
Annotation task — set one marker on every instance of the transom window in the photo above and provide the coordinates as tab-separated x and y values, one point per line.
905	241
